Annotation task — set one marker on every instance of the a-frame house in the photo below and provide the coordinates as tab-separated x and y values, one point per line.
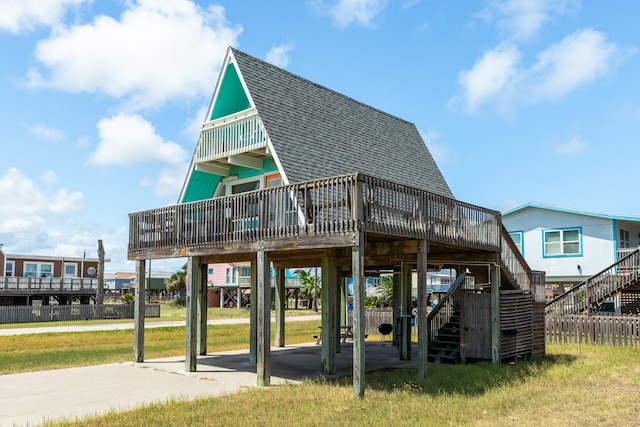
287	173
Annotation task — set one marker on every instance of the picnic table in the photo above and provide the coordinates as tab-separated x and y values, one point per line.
346	332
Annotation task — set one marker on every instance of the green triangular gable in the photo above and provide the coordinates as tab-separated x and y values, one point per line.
231	96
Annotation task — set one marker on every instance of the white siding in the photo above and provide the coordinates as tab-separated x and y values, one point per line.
597	249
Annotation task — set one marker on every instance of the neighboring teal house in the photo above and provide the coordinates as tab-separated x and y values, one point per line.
570	245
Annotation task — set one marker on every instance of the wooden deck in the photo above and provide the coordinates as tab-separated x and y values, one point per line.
10	285
321	214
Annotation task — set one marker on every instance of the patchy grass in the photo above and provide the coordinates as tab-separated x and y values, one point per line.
34	352
598	386
168	312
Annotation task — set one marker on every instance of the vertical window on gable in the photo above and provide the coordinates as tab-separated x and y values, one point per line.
562	242
517	237
624	239
210	270
228	277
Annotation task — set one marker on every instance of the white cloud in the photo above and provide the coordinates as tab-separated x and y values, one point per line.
522	19
170	181
30	205
194	125
347	12
49	177
279	55
489	76
17	16
572	147
45	132
577	60
127	139
146	57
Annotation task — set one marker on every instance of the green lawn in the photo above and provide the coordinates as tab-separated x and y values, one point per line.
598	386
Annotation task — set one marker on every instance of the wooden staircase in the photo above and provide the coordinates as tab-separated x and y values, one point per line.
621	276
445	346
444	320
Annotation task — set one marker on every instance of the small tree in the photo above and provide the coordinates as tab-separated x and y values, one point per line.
385	290
178	284
309	286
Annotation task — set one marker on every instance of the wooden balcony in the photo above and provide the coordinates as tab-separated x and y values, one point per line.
225	138
324	213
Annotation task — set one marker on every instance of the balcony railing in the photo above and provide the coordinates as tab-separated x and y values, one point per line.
223	138
328	208
46	284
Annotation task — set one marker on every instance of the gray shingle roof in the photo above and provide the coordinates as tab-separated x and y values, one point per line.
317	132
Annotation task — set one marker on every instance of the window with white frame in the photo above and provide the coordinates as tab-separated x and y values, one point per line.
10	268
624	239
562	242
38	269
517	237
228	276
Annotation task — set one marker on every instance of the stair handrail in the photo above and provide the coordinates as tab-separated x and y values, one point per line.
441	304
514	263
597	287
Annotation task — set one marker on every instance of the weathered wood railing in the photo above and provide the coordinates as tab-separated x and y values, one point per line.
325	207
596	289
513	262
41	284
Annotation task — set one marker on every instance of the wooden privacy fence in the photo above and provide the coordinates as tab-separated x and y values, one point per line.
52	313
374	316
603	330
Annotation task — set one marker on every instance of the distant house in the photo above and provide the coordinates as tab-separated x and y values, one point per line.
570	245
25	278
118	282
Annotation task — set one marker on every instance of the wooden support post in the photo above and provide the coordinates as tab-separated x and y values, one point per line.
253	305
423	335
281	297
359	289
406	309
397	301
340	303
263	309
202	311
138	313
359	285
462	300
194	270
495	314
329	316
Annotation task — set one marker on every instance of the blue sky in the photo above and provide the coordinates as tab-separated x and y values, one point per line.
101	101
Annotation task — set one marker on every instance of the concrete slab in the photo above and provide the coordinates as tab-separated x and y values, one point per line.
33	397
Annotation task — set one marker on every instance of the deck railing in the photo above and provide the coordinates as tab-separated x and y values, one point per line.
224	138
597	288
325	207
46	284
